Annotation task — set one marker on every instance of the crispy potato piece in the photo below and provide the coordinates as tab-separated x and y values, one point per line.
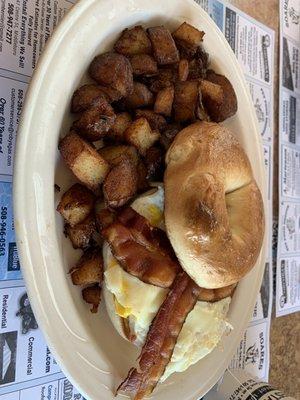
154	161
164	101
89	268
185	100
76	204
104	218
164	47
114	154
140	135
198	65
133	41
113	70
95	122
183	70
143	64
188	35
228	107
169	134
92	295
157	122
81	234
83	160
165	78
212	91
84	97
120	185
122	121
140	97
142	181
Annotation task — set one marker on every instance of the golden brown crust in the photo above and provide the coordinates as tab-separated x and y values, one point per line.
92	295
216	224
219	111
96	121
164	47
120	185
81	234
89	268
83	160
157	122
133	41
143	64
183	70
185	100
84	97
164	101
76	204
139	97
113	70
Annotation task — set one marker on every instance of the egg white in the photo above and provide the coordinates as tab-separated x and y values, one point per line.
139	302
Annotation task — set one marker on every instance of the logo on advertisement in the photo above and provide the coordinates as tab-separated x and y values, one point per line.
252	354
26	314
291	15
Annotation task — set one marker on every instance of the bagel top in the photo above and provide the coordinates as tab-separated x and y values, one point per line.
213	207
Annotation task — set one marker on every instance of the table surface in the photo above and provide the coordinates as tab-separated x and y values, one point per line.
285	331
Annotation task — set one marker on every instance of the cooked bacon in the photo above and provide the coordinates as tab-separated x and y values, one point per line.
143	251
161	338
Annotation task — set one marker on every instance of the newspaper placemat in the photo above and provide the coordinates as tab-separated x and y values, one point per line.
288	250
28	371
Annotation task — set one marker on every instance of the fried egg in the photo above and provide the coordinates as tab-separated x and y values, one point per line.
128	298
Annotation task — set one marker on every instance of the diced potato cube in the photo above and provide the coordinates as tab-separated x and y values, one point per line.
83	160
114	154
89	269
219	111
185	100
164	101
140	97
92	295
113	70
122	121
133	41
143	64
165	78
120	185
96	121
189	35
157	122
81	234
84	97
76	204
183	70
164	47
140	135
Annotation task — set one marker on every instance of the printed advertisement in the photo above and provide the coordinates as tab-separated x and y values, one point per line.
24	354
28	370
288	254
252	352
287	285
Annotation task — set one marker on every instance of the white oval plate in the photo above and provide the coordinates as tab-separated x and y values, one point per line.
86	346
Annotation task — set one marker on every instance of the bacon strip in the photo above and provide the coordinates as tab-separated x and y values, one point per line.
142	250
161	338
